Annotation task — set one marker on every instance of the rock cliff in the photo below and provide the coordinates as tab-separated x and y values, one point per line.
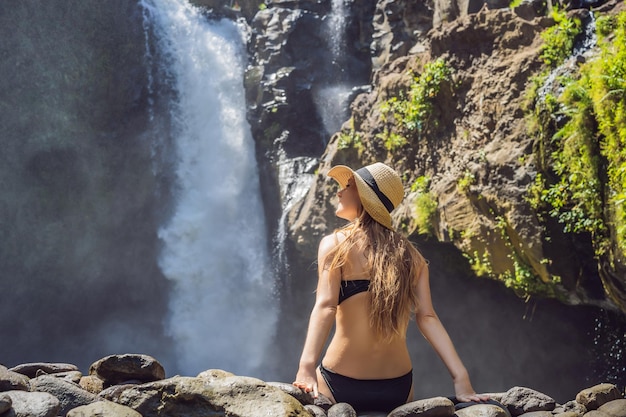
474	158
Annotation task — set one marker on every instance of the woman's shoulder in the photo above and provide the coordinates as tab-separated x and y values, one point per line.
331	241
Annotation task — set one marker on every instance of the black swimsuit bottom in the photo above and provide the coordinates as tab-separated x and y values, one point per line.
369	394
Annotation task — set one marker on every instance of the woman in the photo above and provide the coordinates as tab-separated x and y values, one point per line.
370	280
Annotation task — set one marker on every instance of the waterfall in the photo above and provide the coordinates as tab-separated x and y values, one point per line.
587	41
336	28
332	99
221	312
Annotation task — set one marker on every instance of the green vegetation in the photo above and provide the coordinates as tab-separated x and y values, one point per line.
559	39
468	179
521	278
481	265
583	160
412	113
350	138
425	205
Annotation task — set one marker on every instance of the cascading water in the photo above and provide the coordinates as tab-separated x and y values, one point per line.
214	246
332	99
588	40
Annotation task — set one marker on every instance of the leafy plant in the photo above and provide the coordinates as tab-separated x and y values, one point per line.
559	39
391	140
425	205
465	182
350	138
411	112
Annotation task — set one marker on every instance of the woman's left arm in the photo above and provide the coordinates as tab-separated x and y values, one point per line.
436	334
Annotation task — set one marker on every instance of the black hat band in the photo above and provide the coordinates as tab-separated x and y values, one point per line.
369	180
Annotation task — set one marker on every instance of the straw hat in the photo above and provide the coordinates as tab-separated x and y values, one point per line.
380	189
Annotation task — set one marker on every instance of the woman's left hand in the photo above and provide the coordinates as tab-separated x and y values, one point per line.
465	393
472	396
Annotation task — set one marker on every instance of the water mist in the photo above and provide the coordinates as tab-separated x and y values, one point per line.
221	312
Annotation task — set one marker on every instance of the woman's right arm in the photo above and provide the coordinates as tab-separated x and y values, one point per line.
321	320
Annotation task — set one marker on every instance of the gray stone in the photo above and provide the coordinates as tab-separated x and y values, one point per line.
113	392
537	414
570	407
520	400
315	410
487	410
234	396
323	402
10	380
304	397
91	383
116	369
31	369
212	374
616	408
341	410
33	404
103	408
5	403
595	396
71	376
430	407
596	413
569	414
70	395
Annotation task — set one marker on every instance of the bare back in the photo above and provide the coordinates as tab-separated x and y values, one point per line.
355	350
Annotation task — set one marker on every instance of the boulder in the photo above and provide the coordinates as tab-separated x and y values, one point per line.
573	407
323	402
596	413
31	369
304	397
615	408
103	409
71	376
537	414
234	396
113	392
487	410
341	410
520	400
212	374
5	403
315	410
430	407
92	384
33	404
115	369
10	380
69	394
594	397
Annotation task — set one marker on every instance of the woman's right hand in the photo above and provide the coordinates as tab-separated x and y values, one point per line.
307	381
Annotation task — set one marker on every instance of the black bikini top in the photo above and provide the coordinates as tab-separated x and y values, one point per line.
351	287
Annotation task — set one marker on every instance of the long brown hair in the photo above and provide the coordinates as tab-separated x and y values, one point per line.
394	265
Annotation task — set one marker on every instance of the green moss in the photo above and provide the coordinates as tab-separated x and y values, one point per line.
583	162
465	182
481	264
425	205
411	112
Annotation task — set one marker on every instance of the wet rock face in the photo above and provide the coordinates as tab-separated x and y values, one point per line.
480	136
